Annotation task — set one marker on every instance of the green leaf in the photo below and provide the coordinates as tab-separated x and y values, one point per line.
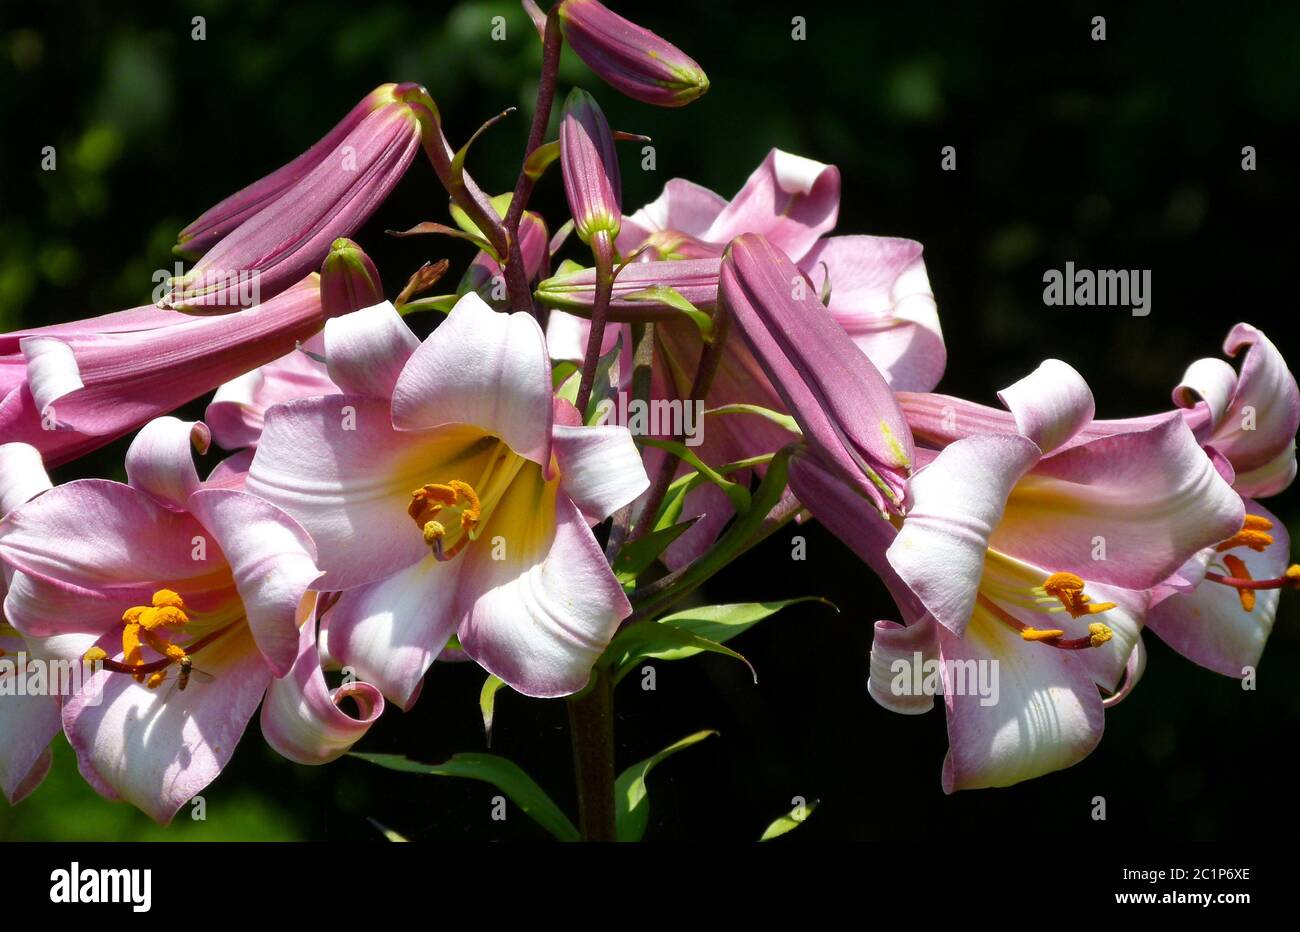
631	802
674	299
505	775
487	700
663	642
636	557
737	493
541	158
719	623
781	420
500	203
789	822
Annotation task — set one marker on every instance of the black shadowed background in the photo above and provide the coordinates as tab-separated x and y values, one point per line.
1125	153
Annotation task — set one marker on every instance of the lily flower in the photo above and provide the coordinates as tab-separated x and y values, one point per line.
164	582
287	221
28	723
449	493
632	59
1039	555
71	388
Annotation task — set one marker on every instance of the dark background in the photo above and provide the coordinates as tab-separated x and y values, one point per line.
1117	154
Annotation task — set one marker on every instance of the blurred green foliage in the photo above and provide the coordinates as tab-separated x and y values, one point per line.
1117	154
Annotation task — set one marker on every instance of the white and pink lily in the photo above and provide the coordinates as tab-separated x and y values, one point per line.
156	580
449	494
1040	554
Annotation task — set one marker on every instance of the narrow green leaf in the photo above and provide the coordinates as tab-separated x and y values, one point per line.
630	798
721	623
505	775
776	417
789	822
662	642
738	494
487	700
636	557
500	203
677	301
541	158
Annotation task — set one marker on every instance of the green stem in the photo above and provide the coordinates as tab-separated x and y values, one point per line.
591	728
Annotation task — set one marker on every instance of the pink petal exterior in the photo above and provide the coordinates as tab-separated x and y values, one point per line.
129	377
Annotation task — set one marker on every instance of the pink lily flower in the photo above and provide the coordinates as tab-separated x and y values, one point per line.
1217	609
1040	554
287	221
166	581
71	388
448	493
28	723
879	290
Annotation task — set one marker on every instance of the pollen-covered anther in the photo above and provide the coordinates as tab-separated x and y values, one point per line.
1253	534
447	516
1038	634
1067	588
95	655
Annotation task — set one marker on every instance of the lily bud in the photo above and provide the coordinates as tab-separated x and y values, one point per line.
629	58
349	281
848	414
290	219
590	167
696	280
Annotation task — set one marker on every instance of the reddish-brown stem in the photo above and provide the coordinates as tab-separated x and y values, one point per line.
602	245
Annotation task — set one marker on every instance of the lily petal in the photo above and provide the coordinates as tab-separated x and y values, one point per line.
366	350
157	748
22	475
302	717
957	502
481	368
789	199
600	468
891	644
389	632
273	561
1210	626
1051	404
539	618
160	463
1048	714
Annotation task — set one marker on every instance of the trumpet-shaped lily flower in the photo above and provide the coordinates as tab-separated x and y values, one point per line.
287	221
1037	557
449	493
72	388
27	722
194	602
